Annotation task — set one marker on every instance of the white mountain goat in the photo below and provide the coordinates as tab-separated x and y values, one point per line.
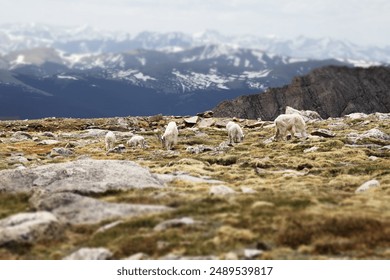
110	140
169	138
234	132
137	140
289	122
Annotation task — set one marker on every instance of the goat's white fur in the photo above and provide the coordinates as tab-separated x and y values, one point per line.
137	140
170	136
110	140
289	122
234	132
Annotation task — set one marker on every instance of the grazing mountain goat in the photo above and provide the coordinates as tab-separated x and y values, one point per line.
170	135
234	132
289	122
137	140
110	140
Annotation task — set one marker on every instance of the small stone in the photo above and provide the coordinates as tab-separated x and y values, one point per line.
90	254
368	185
137	256
221	190
252	253
185	221
61	152
248	190
323	133
310	150
262	204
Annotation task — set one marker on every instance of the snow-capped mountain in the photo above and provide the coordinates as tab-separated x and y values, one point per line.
86	39
124	83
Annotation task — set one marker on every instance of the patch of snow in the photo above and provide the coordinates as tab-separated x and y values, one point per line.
143	77
256	74
66	77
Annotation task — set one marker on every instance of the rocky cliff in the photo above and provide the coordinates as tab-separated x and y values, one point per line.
331	91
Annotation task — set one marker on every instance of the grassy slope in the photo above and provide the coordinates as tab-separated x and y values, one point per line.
309	211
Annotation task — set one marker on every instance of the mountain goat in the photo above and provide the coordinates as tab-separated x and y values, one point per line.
137	140
169	138
289	122
110	140
234	132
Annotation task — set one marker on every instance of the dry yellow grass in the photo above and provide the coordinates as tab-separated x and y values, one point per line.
304	205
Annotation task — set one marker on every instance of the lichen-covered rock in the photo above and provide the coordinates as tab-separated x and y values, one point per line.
27	228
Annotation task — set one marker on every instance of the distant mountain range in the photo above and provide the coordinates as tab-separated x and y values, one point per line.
85	39
81	72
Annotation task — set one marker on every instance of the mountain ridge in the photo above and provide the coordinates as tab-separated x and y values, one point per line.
86	39
331	91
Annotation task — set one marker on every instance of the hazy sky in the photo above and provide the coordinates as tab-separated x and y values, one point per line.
366	22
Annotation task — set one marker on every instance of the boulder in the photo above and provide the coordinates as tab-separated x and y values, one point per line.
90	254
204	123
84	176
306	114
191	121
207	114
28	228
77	209
21	135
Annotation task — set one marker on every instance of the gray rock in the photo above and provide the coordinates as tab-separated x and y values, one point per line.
21	135
323	133
77	209
49	134
252	253
188	178
206	114
49	142
198	149
363	138
248	190
206	123
221	190
368	185
61	152
118	149
191	121
90	254
306	114
310	150
357	116
81	176
138	256
185	221
178	257
155	118
28	228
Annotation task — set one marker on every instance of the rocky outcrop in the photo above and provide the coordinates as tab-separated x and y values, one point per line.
330	91
83	176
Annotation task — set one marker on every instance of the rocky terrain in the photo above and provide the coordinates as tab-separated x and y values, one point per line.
331	91
62	196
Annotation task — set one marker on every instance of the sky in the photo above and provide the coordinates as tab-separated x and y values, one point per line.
365	22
